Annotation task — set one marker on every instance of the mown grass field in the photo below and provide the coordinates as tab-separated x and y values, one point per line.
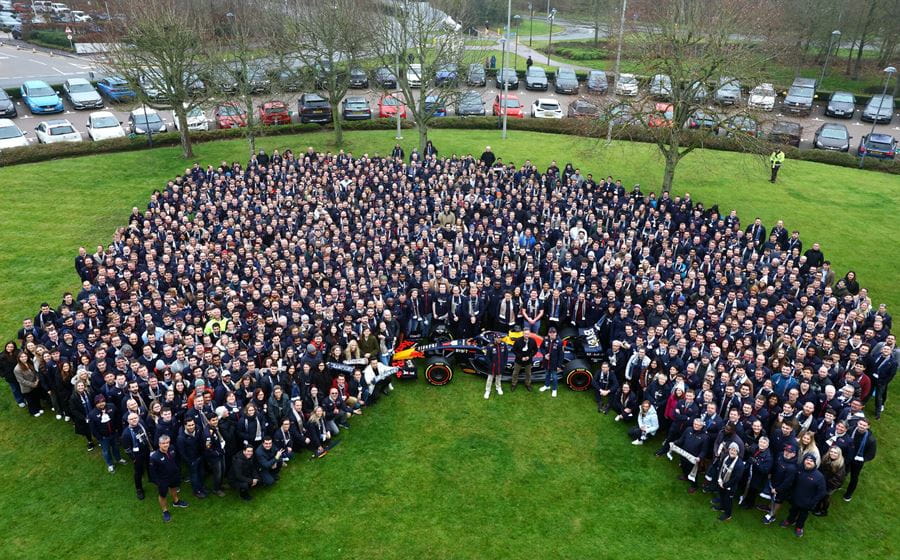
431	472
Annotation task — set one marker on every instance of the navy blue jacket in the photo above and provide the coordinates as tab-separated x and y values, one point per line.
784	475
164	469
553	354
191	447
809	488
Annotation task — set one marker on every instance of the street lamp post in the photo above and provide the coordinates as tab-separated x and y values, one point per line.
550	17
149	129
516	19
399	135
618	61
531	29
890	71
836	39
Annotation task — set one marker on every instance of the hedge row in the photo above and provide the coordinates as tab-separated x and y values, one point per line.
574	127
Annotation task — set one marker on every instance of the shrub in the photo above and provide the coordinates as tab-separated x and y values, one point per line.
50	38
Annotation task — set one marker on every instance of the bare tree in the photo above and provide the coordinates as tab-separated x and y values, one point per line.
162	55
326	36
698	45
426	50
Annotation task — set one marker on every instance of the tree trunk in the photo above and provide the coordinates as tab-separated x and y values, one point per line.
672	158
423	136
850	57
338	126
862	38
187	149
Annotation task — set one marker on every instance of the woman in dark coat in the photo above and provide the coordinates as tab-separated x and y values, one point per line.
80	405
833	469
7	365
625	403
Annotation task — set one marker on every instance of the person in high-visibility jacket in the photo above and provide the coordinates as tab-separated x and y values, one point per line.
775	161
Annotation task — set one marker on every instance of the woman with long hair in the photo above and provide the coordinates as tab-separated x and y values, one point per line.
29	383
807	441
835	472
8	361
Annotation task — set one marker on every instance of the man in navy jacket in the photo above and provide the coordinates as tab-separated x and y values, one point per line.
552	349
166	474
809	489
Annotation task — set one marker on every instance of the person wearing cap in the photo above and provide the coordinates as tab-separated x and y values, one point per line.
781	483
166	474
524	348
728	474
104	429
809	489
499	358
552	349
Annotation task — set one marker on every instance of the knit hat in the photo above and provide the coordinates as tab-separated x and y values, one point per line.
809	456
200	384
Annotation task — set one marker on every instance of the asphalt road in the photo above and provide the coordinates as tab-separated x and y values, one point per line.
19	63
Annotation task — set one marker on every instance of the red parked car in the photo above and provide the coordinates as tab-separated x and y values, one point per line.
229	115
512	106
274	112
662	116
388	106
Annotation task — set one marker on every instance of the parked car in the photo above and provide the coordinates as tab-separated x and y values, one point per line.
476	75
229	115
147	83
144	120
582	108
389	105
195	84
274	112
257	78
882	146
762	97
786	132
662	116
8	21
196	119
546	108
510	105
661	86
627	84
597	81
879	109
358	78
446	74
799	98
469	103
435	106
56	131
103	125
385	78
11	136
40	98
728	92
78	16
116	89
841	104
7	106
703	120
81	94
832	136
41	6
290	79
536	78
355	108
507	77
58	8
313	108
566	81
225	79
620	114
699	91
414	75
740	124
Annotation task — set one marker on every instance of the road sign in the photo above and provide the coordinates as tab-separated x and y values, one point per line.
68	30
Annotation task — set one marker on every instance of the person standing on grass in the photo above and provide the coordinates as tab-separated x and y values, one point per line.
499	357
528	63
729	473
103	428
8	361
525	347
863	451
552	349
808	491
136	443
166	474
29	383
775	162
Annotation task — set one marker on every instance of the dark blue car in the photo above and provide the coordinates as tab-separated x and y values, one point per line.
116	89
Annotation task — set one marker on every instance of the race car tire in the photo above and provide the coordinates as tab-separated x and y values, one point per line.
438	370
578	375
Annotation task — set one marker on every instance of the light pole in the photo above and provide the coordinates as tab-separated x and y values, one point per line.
890	71
505	98
836	39
149	130
531	29
516	18
550	40
618	61
399	135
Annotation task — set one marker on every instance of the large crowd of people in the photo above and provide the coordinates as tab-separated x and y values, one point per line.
232	325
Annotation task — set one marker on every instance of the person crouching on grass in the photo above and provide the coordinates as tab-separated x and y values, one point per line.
648	423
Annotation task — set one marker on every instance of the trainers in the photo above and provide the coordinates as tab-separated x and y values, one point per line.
724	517
200	495
59	416
66	419
140	494
637	442
847	497
39	412
122	461
528	388
553	394
21	405
111	469
246	497
167	516
543	388
90	447
786	523
390	387
798	531
618	418
487	394
181	504
768	519
500	391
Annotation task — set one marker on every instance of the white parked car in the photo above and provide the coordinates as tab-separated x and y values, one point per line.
103	125
55	131
546	108
627	84
762	97
79	16
196	119
58	8
11	136
414	75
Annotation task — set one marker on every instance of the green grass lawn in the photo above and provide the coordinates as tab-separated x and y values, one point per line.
430	472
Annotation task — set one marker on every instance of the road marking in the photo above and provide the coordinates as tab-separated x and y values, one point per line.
26	116
39	62
60	72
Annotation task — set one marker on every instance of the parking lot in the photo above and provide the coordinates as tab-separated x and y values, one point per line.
857	129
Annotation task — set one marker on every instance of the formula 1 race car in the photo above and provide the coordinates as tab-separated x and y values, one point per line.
473	356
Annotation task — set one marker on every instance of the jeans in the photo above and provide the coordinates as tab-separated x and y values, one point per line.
196	473
16	391
110	450
216	468
332	427
551	380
